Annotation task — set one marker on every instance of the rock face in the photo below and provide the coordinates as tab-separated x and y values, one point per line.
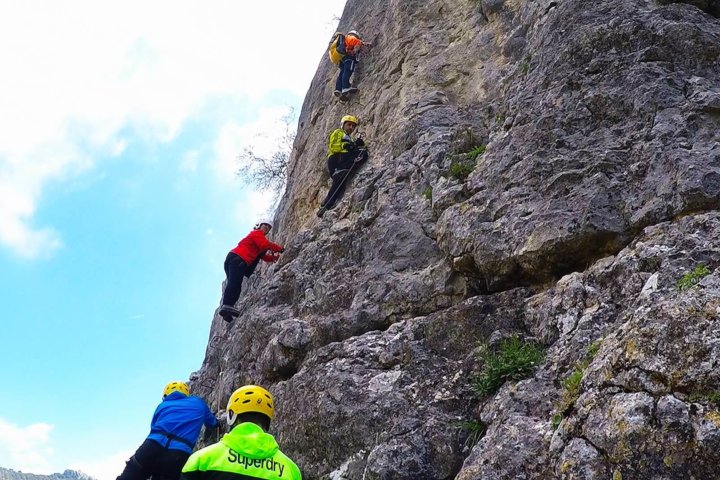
596	192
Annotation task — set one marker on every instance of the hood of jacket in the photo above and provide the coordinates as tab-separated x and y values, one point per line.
251	441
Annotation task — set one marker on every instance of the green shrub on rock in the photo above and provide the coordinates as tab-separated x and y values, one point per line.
475	429
690	279
514	360
460	170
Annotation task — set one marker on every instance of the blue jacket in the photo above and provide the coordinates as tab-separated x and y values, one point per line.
177	421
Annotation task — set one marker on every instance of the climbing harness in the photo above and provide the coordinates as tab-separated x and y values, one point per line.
170	437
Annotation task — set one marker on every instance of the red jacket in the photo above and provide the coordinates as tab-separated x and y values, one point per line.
255	245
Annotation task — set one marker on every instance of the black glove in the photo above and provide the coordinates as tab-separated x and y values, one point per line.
360	142
282	250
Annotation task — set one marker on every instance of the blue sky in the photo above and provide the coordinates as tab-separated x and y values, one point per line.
118	202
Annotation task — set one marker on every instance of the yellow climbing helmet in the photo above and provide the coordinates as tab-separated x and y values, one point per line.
176	387
349	118
249	398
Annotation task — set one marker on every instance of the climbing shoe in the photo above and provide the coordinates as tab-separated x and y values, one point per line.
321	212
337	93
228	313
349	91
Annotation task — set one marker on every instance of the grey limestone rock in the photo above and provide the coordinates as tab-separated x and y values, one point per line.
597	192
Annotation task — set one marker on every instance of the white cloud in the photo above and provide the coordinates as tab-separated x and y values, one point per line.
78	76
29	449
26	448
19	187
107	468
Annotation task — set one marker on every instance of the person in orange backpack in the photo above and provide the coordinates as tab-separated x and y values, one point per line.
242	261
350	46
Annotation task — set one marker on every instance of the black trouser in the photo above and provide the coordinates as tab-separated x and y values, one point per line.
235	270
340	165
152	460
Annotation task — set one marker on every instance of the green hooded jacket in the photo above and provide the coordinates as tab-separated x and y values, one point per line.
340	142
246	452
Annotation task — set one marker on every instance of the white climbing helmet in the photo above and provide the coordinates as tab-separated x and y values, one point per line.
264	221
354	32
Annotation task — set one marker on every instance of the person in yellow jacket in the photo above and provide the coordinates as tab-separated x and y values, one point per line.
247	451
345	155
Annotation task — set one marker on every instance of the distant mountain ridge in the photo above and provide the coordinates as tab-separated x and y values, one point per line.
8	474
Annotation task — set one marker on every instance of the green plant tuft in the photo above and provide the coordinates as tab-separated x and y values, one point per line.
476	430
696	397
690	279
514	360
460	170
427	193
593	349
555	421
463	164
571	386
476	152
714	397
571	383
710	397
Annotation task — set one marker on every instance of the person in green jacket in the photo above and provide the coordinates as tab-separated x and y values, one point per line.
247	451
345	155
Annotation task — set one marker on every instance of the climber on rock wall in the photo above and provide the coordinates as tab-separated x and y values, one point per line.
345	51
241	262
174	429
345	155
247	451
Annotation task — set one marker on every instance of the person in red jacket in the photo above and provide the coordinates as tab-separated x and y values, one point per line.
241	262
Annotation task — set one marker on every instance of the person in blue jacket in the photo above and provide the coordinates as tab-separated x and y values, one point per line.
174	429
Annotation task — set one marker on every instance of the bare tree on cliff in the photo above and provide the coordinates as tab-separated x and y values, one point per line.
269	172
